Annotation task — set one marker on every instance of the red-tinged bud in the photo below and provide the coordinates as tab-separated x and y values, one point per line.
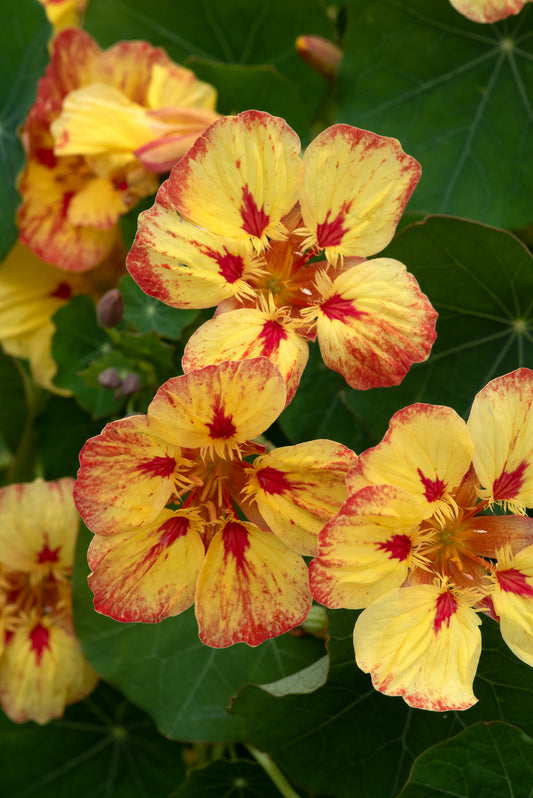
322	55
109	378
110	309
131	384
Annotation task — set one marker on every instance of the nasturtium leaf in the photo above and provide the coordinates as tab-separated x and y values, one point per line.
458	95
24	38
241	33
103	746
480	280
346	733
239	779
13	408
164	668
146	313
493	760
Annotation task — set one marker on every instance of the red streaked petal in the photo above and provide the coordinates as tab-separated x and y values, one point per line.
513	601
488	10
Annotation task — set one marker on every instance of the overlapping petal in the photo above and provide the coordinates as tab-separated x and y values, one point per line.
373	323
366	549
298	488
421	643
356	186
149	573
251	587
488	10
127	476
426	451
218	407
501	426
513	601
240	178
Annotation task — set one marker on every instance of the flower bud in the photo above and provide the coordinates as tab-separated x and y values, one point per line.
322	55
131	384
110	309
109	378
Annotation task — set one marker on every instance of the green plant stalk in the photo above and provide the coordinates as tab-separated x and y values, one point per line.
273	772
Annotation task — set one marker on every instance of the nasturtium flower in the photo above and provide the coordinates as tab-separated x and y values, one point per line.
279	243
42	668
488	10
30	293
103	124
64	13
418	545
181	514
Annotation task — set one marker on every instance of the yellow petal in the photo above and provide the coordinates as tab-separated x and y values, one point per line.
98	204
175	86
39	526
374	323
42	670
241	177
220	406
356	186
126	477
184	265
299	488
366	549
422	644
513	602
149	573
426	451
501	426
248	333
250	588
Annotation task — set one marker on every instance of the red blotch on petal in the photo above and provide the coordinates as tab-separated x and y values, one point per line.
231	266
338	309
446	607
331	233
222	425
235	539
40	641
158	466
63	291
272	333
46	157
514	581
254	219
508	484
48	555
173	529
433	488
399	547
272	481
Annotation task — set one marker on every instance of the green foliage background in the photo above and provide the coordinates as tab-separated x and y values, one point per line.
171	716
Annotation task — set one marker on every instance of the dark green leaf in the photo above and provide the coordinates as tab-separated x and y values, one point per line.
480	280
493	760
102	747
24	36
12	402
457	94
240	779
165	669
146	313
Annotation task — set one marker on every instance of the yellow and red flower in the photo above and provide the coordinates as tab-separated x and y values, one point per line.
42	668
181	517
64	13
417	546
104	122
488	10
241	223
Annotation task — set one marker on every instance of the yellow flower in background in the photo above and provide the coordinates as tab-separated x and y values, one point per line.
181	518
488	10
30	293
64	13
42	668
280	243
417	545
103	124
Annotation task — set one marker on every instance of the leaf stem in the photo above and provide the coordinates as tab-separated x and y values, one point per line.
273	772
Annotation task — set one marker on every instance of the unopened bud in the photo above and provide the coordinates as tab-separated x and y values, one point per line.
131	384
110	309
109	378
322	55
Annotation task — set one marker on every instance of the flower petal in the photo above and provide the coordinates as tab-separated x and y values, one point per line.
420	643
374	323
356	186
126	476
365	550
426	451
501	426
513	601
298	488
248	333
149	573
488	10
240	178
184	265
251	588
219	406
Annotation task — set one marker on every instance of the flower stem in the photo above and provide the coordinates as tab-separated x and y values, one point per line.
274	773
